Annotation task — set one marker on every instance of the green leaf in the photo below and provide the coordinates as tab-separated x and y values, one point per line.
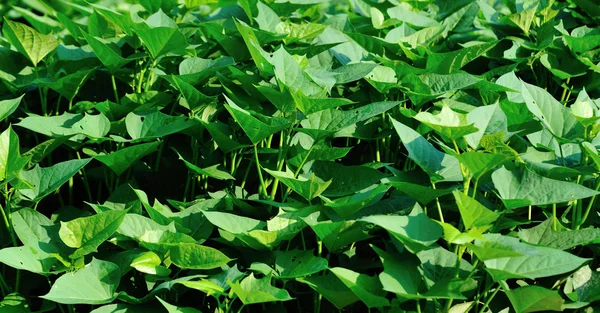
122	159
69	86
544	235
523	188
308	105
67	124
96	283
150	234
444	167
288	72
368	289
42	181
535	299
489	119
28	41
259	56
448	62
86	234
416	230
174	309
110	58
8	107
195	256
160	35
252	290
332	289
256	126
345	180
28	259
480	163
148	125
336	235
400	274
583	39
11	161
551	113
34	229
335	120
424	195
534	261
586	284
194	99
308	187
522	19
473	213
14	303
297	263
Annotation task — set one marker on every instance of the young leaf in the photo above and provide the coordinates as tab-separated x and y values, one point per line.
447	123
308	187
42	181
252	290
95	283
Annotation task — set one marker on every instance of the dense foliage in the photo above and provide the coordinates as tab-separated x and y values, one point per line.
299	156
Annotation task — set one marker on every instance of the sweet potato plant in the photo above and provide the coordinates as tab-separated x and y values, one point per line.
299	156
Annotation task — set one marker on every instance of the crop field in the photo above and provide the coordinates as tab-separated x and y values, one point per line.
299	156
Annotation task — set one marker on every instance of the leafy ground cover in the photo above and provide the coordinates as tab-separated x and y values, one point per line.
299	156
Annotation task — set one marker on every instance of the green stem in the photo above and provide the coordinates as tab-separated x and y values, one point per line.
439	206
263	188
6	218
488	300
86	182
554	219
298	171
589	208
4	287
114	86
280	162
